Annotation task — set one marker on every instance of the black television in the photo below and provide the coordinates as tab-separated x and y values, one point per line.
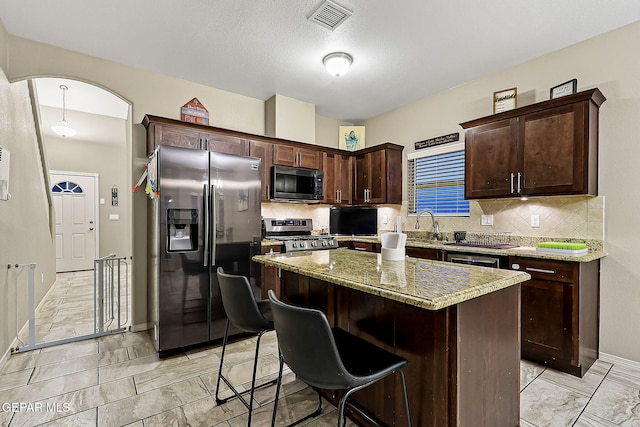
353	221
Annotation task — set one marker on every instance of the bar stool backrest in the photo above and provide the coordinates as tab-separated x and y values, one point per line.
240	304
308	347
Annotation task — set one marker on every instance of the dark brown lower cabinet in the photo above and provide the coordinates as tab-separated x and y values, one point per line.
367	247
560	313
424	253
464	360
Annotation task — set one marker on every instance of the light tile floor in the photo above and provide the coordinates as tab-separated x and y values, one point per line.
119	380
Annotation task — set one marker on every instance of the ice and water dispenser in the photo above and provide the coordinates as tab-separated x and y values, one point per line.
182	230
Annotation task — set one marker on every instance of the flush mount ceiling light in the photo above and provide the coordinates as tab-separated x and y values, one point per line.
337	63
63	128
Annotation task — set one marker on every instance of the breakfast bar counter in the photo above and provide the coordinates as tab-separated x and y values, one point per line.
458	325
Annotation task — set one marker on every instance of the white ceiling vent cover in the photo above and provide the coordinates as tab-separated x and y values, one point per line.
330	15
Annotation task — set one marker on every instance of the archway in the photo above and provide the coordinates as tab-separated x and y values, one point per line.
101	146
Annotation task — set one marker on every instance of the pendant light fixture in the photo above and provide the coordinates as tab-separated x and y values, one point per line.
337	63
63	128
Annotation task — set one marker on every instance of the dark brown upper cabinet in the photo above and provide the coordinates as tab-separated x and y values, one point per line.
369	176
264	151
544	149
338	178
161	131
378	174
301	157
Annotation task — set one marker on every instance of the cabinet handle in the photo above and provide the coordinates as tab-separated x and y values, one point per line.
337	196
360	249
268	192
511	179
340	193
519	186
540	270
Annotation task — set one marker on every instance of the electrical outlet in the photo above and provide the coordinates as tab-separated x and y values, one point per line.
535	221
385	219
486	220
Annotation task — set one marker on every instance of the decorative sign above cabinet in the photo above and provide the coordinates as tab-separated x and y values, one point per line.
566	88
505	100
439	140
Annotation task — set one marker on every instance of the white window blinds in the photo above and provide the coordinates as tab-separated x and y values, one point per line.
435	181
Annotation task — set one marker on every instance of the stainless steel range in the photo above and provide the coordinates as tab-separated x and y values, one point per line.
296	234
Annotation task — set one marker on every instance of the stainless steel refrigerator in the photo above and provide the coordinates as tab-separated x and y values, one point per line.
206	215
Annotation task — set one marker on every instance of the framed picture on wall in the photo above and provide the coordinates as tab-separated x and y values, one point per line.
351	138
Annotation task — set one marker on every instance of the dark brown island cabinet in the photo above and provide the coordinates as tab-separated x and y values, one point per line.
544	149
463	359
374	173
560	306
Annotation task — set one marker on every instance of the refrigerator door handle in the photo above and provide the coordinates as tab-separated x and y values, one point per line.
213	224
206	225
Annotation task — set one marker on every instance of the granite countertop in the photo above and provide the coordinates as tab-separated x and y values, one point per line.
422	283
523	251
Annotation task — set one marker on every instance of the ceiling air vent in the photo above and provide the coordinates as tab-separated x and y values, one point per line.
330	15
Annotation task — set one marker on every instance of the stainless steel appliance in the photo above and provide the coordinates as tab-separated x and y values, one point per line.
296	235
207	215
296	184
482	260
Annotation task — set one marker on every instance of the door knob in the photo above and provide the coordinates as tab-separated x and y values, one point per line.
91	229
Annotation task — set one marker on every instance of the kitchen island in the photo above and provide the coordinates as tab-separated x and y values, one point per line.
459	327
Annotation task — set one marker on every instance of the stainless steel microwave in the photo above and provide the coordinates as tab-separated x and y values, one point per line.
296	184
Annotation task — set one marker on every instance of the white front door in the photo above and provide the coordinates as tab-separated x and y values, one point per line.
74	198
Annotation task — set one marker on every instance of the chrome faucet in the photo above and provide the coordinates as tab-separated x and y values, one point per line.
436	228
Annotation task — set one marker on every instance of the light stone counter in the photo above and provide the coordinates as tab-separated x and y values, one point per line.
595	251
422	283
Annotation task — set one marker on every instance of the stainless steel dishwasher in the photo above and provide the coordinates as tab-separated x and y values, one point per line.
482	260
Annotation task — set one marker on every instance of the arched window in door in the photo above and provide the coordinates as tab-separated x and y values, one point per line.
67	187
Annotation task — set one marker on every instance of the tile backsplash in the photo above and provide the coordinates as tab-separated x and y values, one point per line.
574	217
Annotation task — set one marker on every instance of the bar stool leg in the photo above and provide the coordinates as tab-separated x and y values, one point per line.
248	405
315	413
224	347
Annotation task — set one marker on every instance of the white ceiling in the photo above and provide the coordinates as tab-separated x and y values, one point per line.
402	50
80	96
95	114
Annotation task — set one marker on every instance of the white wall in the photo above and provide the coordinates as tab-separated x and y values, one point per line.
288	118
25	236
609	63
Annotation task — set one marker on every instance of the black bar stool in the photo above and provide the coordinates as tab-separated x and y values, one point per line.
327	358
246	314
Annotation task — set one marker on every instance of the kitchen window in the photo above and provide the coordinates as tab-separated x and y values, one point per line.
435	181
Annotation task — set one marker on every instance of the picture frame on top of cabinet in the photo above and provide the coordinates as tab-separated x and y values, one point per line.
505	100
564	89
351	138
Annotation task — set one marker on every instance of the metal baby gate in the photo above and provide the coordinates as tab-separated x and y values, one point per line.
109	314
